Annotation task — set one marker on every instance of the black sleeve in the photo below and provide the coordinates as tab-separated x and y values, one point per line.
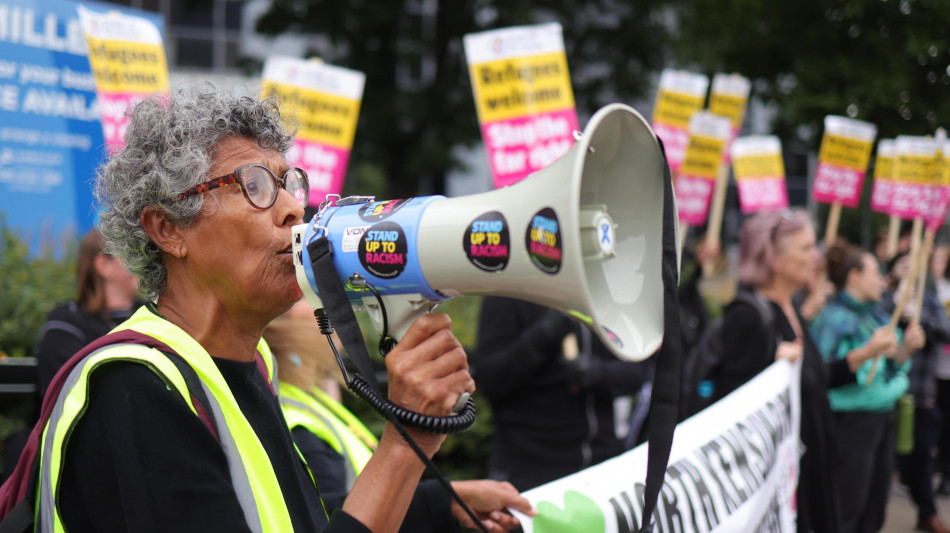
745	348
619	378
935	321
430	510
328	467
515	340
839	373
139	460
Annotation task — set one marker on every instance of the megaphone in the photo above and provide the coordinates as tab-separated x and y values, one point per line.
583	236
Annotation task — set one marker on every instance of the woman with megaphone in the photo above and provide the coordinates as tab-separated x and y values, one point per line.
175	425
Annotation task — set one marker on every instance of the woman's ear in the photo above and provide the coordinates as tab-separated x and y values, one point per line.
164	233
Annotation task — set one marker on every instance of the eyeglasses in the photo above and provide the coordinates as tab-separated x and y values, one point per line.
259	184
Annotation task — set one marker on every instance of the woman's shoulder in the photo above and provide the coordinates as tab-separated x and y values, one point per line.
837	316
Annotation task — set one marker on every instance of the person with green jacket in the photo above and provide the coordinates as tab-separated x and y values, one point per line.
864	412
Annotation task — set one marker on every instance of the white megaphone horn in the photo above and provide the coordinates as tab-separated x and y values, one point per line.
583	235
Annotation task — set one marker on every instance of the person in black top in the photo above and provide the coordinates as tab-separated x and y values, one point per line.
199	204
778	257
551	385
107	296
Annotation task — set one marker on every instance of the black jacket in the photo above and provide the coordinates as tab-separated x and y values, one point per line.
552	417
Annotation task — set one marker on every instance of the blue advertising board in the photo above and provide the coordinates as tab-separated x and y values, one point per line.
50	129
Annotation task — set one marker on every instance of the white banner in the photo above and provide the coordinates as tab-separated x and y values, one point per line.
733	468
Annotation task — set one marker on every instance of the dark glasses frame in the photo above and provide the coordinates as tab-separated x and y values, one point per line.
236	178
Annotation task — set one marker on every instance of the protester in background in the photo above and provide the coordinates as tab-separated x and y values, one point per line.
336	445
942	371
917	469
200	204
694	317
853	326
106	298
551	384
778	257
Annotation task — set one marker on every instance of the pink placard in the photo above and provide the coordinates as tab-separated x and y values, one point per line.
325	167
910	200
881	195
114	107
762	194
939	203
693	195
520	146
837	184
675	141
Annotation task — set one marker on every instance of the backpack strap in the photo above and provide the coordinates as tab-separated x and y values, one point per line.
764	309
198	397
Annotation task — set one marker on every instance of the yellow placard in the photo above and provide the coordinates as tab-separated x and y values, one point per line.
675	109
884	168
124	67
758	166
519	86
321	117
917	169
728	105
845	152
703	157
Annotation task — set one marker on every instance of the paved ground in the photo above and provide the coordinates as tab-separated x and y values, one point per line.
902	515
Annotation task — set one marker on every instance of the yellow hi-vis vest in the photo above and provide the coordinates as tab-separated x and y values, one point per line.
326	418
252	475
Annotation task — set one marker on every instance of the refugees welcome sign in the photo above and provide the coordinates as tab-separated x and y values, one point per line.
733	468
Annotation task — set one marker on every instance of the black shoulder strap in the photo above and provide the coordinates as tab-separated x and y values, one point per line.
664	405
198	397
20	517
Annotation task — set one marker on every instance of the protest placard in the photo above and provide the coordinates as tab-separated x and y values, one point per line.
729	97
883	188
679	96
708	134
843	160
324	102
733	468
523	96
760	173
127	57
916	176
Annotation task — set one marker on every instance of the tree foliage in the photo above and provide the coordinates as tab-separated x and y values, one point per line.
418	104
884	61
29	288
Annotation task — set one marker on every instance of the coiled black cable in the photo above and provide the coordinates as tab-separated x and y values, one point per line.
432	424
399	415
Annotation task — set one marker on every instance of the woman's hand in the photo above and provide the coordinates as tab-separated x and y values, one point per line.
816	300
914	337
883	340
489	500
789	351
428	370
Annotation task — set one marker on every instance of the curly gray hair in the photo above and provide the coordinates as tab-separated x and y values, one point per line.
169	147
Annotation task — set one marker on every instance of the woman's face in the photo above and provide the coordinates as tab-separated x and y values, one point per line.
797	260
240	253
866	284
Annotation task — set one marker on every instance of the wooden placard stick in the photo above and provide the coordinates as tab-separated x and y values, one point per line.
714	224
922	274
893	235
915	257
